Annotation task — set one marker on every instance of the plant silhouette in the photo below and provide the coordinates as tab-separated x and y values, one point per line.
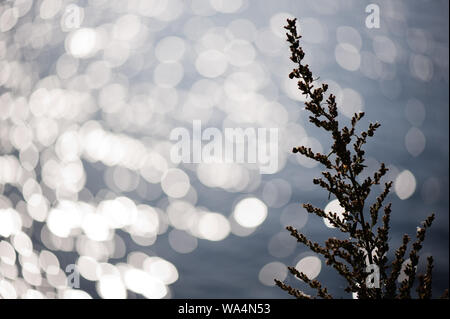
362	258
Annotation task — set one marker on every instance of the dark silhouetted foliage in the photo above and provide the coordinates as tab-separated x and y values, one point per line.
367	242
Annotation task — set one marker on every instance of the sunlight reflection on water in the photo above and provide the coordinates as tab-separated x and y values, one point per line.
87	111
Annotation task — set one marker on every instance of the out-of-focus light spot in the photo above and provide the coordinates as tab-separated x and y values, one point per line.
226	6
116	53
294	215
372	166
421	67
418	40
313	31
347	56
371	66
145	223
349	35
39	101
213	226
182	242
7	253
7	290
152	8
49	8
154	167
112	97
415	112
242	29
29	157
240	85
168	74
111	287
66	66
136	259
161	269
119	247
405	184
175	183
32	294
30	265
271	271
10	170
119	212
277	193
277	23
172	11
205	93
75	294
290	87
141	282
316	147
8	19
325	7
5	72
191	196
98	74
202	8
23	6
64	218
273	114
21	136
352	102
211	63
250	212
10	222
213	39
82	43
126	27
282	245
384	49
334	87
46	131
182	215
67	146
310	266
226	176
240	52
415	141
22	244
9	272
88	268
239	230
96	227
48	262
196	27
333	207
170	49
37	207
268	43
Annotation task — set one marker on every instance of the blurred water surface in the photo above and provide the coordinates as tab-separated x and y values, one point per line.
90	91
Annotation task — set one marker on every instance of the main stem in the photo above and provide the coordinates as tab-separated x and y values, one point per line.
356	188
369	249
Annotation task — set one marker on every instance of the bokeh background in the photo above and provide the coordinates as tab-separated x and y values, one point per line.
90	91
